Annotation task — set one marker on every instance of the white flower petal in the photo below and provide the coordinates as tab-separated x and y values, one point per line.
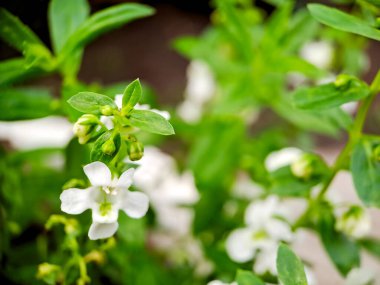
100	231
105	216
360	276
75	201
107	121
126	179
266	260
281	158
98	173
240	245
134	204
119	100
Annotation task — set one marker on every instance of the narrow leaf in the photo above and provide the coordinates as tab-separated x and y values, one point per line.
290	268
151	122
15	70
14	32
365	168
65	16
342	21
132	94
102	22
329	95
90	102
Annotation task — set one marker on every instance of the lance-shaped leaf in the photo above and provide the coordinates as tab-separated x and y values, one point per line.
342	21
289	266
151	122
90	102
132	94
365	168
330	95
65	16
102	22
14	32
15	70
372	246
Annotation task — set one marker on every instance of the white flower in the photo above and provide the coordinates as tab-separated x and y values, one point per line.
281	158
245	188
355	222
46	132
218	282
318	53
200	88
360	276
262	235
105	198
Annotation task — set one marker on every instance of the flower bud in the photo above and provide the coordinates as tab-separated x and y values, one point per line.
49	272
106	110
355	222
109	147
84	126
342	80
303	167
136	150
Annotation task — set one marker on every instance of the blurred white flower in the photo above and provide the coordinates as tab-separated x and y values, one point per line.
105	198
350	107
217	282
170	192
318	53
50	131
266	227
199	90
360	276
355	222
282	157
245	188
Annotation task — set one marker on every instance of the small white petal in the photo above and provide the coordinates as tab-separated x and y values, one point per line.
98	173
119	100
266	260
107	121
100	231
75	201
240	245
360	276
281	158
110	216
126	179
134	204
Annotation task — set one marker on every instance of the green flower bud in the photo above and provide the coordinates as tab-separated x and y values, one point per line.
49	272
84	126
303	167
342	80
109	147
106	110
136	150
354	222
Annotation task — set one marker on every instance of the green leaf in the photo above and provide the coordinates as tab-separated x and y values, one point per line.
26	103
343	251
97	153
90	102
365	168
103	22
244	277
14	32
342	21
289	266
15	70
372	246
65	16
151	122
132	94
329	95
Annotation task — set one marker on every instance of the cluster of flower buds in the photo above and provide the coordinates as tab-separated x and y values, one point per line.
85	128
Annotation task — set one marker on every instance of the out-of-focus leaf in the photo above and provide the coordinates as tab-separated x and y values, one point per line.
26	103
247	278
289	266
102	22
65	16
342	21
14	32
372	246
15	70
365	168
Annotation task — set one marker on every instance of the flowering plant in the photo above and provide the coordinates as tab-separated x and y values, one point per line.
243	193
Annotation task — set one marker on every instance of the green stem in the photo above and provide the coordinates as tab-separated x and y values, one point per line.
354	135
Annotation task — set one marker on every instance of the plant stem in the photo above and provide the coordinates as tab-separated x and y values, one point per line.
354	135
